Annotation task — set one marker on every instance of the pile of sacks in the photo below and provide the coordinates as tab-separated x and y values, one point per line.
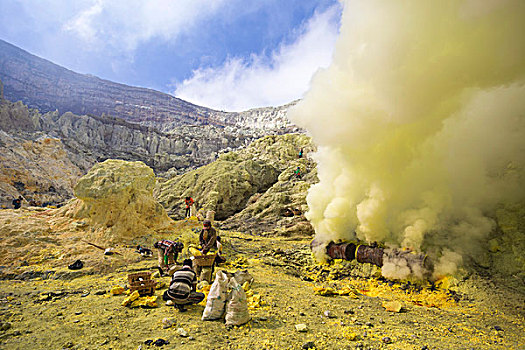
227	298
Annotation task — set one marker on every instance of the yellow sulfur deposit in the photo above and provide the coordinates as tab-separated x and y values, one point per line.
206	291
133	296
117	290
328	291
194	251
348	333
393	306
145	302
254	301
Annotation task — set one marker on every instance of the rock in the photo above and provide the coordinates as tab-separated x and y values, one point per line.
100	292
386	340
78	313
131	298
160	342
117	198
182	332
4	326
328	314
393	306
168	322
349	312
116	290
308	345
68	345
202	284
498	328
301	327
148	301
44	297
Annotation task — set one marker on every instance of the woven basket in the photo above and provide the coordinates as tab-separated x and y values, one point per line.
204	260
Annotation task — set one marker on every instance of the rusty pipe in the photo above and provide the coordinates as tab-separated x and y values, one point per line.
368	254
350	251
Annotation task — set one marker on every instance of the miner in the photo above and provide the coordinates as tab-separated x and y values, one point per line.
168	252
208	237
188	201
182	289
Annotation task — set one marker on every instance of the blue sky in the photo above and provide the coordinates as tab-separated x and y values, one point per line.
224	54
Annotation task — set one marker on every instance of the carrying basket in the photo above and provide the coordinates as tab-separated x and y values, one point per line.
205	260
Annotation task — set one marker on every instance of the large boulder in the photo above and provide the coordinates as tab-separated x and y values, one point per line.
116	199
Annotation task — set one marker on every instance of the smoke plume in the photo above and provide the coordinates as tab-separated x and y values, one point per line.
420	123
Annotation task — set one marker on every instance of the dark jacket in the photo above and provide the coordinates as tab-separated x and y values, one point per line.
208	240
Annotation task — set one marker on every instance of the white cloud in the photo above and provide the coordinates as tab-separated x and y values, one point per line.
241	84
124	24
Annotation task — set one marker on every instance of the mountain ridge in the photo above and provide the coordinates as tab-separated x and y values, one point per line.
46	86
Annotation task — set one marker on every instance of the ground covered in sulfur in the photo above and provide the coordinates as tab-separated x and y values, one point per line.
298	304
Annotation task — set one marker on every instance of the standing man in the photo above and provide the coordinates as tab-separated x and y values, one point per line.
168	252
182	289
189	202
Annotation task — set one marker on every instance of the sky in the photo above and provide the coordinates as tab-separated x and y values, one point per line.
228	55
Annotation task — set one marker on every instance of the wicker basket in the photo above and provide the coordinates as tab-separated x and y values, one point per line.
205	260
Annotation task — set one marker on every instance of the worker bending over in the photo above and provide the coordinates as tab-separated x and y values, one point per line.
182	289
168	252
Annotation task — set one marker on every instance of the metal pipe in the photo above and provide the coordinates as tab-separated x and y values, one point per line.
369	254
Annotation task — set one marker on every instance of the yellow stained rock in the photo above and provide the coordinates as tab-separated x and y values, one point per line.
194	251
145	302
393	306
117	290
324	291
133	296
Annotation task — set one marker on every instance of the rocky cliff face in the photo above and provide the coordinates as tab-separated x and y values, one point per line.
85	140
41	84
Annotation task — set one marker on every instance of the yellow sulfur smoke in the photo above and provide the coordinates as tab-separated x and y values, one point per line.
420	123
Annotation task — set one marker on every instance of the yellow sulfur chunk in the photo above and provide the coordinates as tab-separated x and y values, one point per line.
134	296
194	251
117	290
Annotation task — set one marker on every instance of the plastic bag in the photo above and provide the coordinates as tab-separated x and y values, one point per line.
216	302
237	306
